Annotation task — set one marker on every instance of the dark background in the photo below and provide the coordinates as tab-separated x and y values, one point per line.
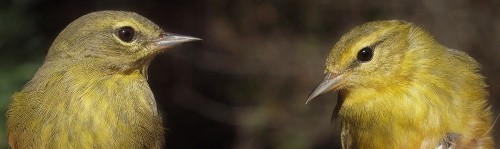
244	86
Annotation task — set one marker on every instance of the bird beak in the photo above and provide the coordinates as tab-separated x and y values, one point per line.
168	40
330	82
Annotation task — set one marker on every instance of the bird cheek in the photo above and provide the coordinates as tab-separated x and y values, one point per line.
134	49
140	52
356	81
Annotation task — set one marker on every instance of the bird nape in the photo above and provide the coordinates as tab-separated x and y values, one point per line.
92	91
401	89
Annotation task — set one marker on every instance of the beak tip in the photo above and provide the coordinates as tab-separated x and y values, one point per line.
307	102
170	40
311	97
194	39
329	82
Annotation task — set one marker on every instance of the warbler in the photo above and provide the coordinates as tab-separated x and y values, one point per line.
399	88
92	89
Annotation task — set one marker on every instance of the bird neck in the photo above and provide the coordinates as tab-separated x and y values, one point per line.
390	117
98	67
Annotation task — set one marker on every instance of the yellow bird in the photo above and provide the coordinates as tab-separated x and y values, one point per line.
92	90
399	88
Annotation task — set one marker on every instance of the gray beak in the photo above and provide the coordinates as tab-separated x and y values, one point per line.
168	40
330	82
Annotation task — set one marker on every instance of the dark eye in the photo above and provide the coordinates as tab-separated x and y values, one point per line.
126	33
365	54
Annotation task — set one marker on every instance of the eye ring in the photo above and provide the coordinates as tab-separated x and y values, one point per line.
365	54
126	34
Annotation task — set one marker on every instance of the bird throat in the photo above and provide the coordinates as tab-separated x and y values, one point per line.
338	106
145	65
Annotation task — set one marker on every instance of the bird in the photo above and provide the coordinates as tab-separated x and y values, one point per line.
91	90
400	88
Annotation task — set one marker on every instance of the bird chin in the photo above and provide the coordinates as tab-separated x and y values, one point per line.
147	57
340	101
145	65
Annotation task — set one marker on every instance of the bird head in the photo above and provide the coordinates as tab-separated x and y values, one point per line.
113	40
369	56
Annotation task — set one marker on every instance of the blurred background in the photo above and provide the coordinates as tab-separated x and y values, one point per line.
244	86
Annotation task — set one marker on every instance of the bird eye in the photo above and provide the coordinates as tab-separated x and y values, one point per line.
365	54
126	33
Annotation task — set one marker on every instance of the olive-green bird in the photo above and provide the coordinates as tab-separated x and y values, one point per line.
399	88
92	90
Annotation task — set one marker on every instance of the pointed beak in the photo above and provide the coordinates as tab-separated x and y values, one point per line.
168	40
330	82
